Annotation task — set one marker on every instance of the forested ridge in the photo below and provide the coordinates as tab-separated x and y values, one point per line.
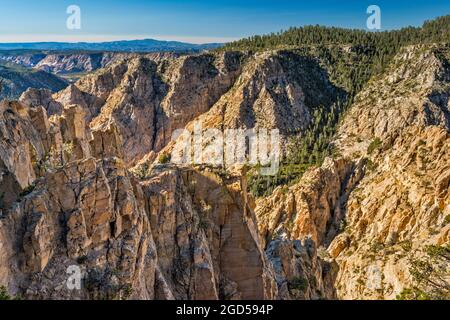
432	31
351	57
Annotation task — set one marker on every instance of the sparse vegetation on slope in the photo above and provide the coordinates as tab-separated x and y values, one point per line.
430	273
351	58
16	79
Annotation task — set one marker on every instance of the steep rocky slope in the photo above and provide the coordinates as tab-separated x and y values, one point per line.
403	202
149	98
274	90
68	200
385	197
144	97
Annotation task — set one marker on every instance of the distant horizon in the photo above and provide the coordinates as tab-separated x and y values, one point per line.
168	38
196	21
106	39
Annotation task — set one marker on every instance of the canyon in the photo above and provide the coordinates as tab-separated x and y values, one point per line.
83	181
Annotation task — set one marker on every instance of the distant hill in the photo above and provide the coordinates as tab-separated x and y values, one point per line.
147	45
16	79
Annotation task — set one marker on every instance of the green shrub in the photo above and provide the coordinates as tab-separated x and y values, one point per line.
447	219
127	291
374	145
342	225
376	247
142	171
412	294
4	295
298	283
371	166
164	158
430	276
406	245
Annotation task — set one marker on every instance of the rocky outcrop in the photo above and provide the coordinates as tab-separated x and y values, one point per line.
180	234
20	145
41	98
300	273
297	223
216	252
412	91
75	63
28	60
401	205
274	90
72	219
398	209
195	85
378	205
313	208
150	98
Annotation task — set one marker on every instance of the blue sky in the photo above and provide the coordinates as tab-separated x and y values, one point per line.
196	20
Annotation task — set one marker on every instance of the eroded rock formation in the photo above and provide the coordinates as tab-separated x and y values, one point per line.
386	197
82	183
181	233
